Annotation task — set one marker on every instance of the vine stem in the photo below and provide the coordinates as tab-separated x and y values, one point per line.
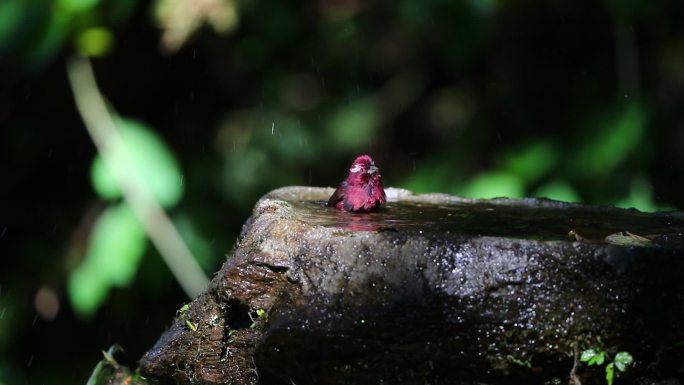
574	378
102	129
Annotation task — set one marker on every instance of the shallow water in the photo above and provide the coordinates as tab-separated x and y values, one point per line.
591	223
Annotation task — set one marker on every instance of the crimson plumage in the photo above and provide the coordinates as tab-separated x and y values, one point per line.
362	191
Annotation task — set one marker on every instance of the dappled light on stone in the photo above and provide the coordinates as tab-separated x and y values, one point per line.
431	289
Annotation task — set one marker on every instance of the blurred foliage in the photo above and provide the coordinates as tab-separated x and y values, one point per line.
109	372
494	184
94	42
117	242
33	32
576	101
180	19
142	153
116	245
611	143
558	190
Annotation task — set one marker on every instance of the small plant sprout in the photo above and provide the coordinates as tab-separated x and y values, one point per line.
108	369
183	309
597	357
191	325
260	315
183	312
593	357
231	336
622	360
520	362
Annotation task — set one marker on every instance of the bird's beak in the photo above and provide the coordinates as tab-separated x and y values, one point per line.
372	169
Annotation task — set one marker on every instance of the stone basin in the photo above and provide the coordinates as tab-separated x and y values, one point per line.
433	289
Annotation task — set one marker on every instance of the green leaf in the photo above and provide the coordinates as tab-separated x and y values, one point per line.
557	190
109	354
95	42
600	358
191	325
640	196
116	245
493	185
432	177
533	161
622	360
593	357
588	355
78	5
86	290
610	373
144	158
613	142
108	369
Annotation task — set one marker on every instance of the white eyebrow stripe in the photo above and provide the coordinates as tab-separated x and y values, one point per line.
356	168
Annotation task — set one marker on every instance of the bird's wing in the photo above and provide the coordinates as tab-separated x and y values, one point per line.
338	195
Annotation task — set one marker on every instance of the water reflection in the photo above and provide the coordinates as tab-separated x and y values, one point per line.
493	219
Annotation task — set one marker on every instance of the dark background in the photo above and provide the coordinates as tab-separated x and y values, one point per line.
571	100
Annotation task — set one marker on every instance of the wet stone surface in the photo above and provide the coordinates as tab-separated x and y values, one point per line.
433	289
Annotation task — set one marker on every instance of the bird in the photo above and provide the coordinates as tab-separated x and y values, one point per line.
362	191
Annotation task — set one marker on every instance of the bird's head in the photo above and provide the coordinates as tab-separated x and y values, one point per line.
363	165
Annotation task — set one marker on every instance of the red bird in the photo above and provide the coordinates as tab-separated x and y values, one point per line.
362	191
